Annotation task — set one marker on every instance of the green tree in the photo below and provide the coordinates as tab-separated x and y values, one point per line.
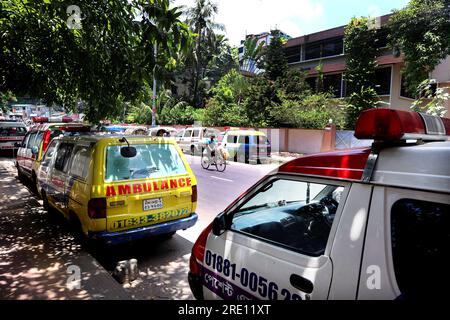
361	54
201	21
253	54
421	32
104	63
274	61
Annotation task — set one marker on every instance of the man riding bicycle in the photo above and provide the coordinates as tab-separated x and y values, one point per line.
211	147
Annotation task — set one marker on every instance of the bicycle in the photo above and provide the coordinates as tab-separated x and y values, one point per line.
217	160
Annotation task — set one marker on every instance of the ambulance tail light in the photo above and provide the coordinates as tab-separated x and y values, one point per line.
395	125
97	208
198	250
46	140
194	194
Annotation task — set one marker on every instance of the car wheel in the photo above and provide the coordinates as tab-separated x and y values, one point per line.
20	175
192	151
35	185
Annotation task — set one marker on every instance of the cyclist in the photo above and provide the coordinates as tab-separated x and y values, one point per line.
211	147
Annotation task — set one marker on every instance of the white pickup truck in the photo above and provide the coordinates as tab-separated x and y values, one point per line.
369	223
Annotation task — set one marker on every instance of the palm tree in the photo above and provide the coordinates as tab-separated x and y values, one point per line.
253	54
200	19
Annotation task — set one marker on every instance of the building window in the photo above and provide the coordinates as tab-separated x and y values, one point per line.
383	81
312	82
312	51
292	54
332	83
322	49
382	38
404	92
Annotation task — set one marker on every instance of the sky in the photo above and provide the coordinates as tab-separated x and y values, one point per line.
294	17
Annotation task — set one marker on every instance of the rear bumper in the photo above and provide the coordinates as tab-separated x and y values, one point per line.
144	232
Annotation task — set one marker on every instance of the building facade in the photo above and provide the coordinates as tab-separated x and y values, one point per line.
326	48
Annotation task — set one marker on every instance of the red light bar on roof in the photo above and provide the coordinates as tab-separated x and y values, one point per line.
391	125
76	128
39	119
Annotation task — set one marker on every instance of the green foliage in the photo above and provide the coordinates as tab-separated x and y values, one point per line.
261	97
361	53
225	107
364	99
312	112
432	103
180	113
292	85
6	97
421	32
274	60
104	63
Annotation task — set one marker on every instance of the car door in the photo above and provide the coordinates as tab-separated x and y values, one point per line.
59	176
186	140
406	245
230	143
28	156
21	153
44	171
276	242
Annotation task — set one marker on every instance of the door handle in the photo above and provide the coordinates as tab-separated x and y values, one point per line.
301	283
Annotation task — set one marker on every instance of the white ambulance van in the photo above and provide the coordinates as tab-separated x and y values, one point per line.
370	223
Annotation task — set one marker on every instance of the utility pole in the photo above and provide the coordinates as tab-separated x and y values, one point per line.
154	90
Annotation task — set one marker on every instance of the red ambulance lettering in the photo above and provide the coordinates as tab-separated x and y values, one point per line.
124	189
147	187
188	182
110	191
137	188
182	182
155	186
173	183
164	185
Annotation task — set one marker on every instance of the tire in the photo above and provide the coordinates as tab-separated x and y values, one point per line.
221	164
205	162
35	185
20	175
192	151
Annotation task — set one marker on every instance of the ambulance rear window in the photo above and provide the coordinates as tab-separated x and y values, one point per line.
151	161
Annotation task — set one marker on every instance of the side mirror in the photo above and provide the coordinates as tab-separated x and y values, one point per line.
34	150
219	225
128	152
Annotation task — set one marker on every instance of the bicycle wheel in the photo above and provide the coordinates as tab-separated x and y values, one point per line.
221	164
205	162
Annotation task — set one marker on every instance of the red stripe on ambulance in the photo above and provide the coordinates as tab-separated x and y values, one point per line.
138	188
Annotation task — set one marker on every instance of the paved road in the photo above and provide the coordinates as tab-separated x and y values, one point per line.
163	264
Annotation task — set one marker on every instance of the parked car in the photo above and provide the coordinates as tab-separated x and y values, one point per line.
162	132
369	223
35	143
247	146
11	133
136	131
119	189
191	140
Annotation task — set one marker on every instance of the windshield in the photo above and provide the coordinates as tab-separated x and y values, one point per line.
151	161
12	131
